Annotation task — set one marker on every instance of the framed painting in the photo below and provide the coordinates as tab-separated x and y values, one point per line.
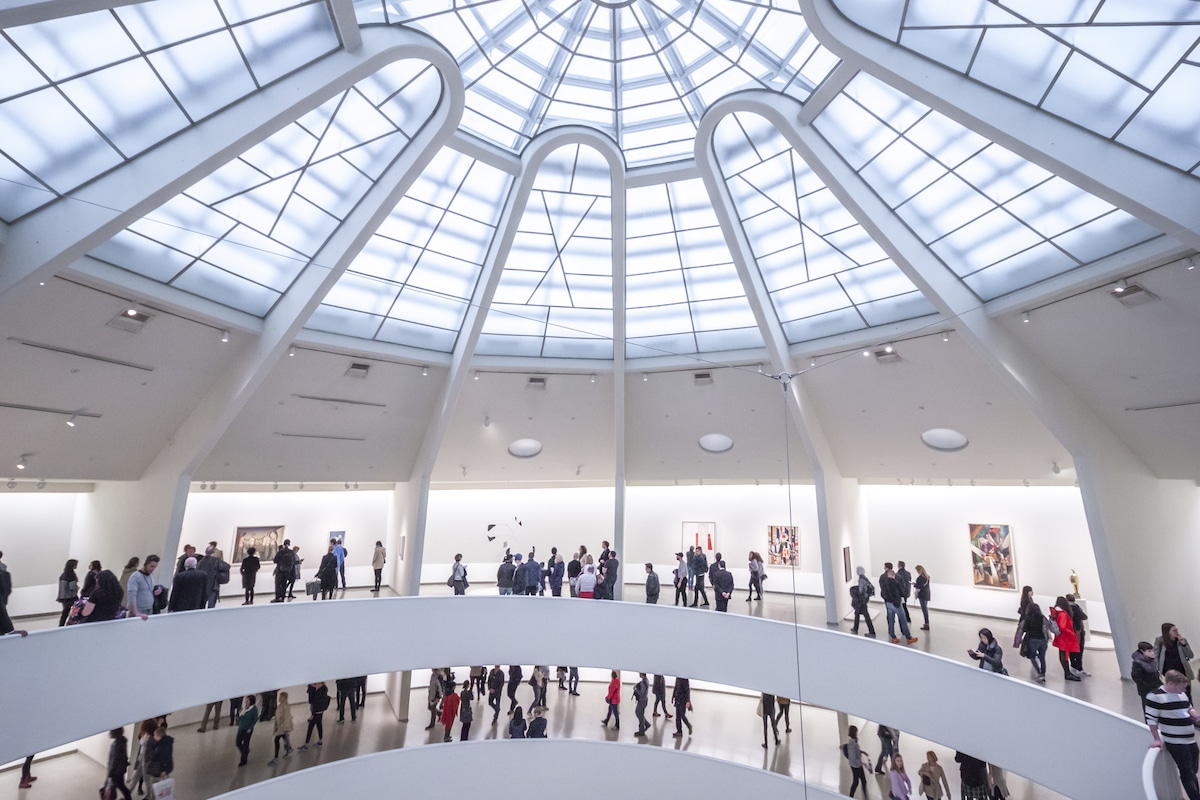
700	534
782	545
846	570
992	562
265	539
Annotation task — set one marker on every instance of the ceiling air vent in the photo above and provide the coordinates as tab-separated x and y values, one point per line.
129	320
1133	295
536	382
358	370
702	378
887	356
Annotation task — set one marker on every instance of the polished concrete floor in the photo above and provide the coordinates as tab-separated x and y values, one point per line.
725	723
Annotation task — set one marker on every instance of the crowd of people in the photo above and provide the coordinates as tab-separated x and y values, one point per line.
978	779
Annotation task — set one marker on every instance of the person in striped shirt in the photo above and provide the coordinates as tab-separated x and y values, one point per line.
1172	720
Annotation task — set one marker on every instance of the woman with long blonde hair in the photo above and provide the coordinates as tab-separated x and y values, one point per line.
921	584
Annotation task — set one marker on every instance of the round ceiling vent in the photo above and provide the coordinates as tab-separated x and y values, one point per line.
525	448
715	442
945	440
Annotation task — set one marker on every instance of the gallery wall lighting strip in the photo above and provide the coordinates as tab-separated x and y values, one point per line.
317	436
65	412
79	354
341	400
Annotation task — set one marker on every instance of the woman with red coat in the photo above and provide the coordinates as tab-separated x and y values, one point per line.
1065	640
613	696
450	705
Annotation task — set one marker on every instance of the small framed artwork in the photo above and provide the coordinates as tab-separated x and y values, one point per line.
265	539
992	563
781	545
847	571
700	534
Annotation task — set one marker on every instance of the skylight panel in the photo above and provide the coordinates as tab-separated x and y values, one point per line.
166	22
128	104
993	211
19	74
279	44
62	154
205	74
1118	68
205	280
21	193
68	46
817	263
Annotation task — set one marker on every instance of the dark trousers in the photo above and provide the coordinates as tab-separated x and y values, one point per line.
661	699
360	692
466	731
699	591
681	718
1069	661
722	601
286	738
681	593
755	585
769	717
249	587
378	578
573	680
494	702
235	709
863	613
614	711
342	697
460	587
640	711
904	606
243	744
886	748
270	702
291	584
66	612
342	573
281	586
118	782
318	724
512	695
1187	759
858	778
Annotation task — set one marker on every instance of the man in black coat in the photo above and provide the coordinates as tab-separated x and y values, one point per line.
700	569
190	588
285	567
722	581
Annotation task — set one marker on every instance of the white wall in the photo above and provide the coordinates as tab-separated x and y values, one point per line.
35	530
927	525
309	518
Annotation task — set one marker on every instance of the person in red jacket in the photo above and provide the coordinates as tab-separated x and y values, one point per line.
1065	640
450	705
613	696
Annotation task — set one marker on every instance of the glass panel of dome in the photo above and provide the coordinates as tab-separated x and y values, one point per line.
149	114
806	244
156	25
21	192
139	74
1105	235
993	211
274	211
643	322
371	296
345	321
1054	56
623	70
49	138
145	256
561	259
432	246
205	280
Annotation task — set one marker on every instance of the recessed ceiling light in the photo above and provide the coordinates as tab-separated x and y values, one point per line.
715	442
1025	316
424	372
71	422
224	336
1121	285
945	440
525	448
866	353
292	351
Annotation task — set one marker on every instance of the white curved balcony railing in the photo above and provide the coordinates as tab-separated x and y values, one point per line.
73	682
438	772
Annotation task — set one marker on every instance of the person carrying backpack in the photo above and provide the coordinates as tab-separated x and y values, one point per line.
860	596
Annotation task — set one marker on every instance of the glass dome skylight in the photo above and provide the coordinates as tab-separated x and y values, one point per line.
87	95
641	72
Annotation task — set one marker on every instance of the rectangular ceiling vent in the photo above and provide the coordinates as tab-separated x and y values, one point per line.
131	321
702	378
358	370
536	382
887	357
1133	295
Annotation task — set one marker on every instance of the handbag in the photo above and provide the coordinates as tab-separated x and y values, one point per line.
1024	649
165	789
108	791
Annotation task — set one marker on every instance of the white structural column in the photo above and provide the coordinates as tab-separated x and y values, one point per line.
147	515
1159	195
840	519
1125	504
464	350
51	238
616	165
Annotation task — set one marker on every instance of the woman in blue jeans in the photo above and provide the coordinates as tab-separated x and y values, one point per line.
1033	639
